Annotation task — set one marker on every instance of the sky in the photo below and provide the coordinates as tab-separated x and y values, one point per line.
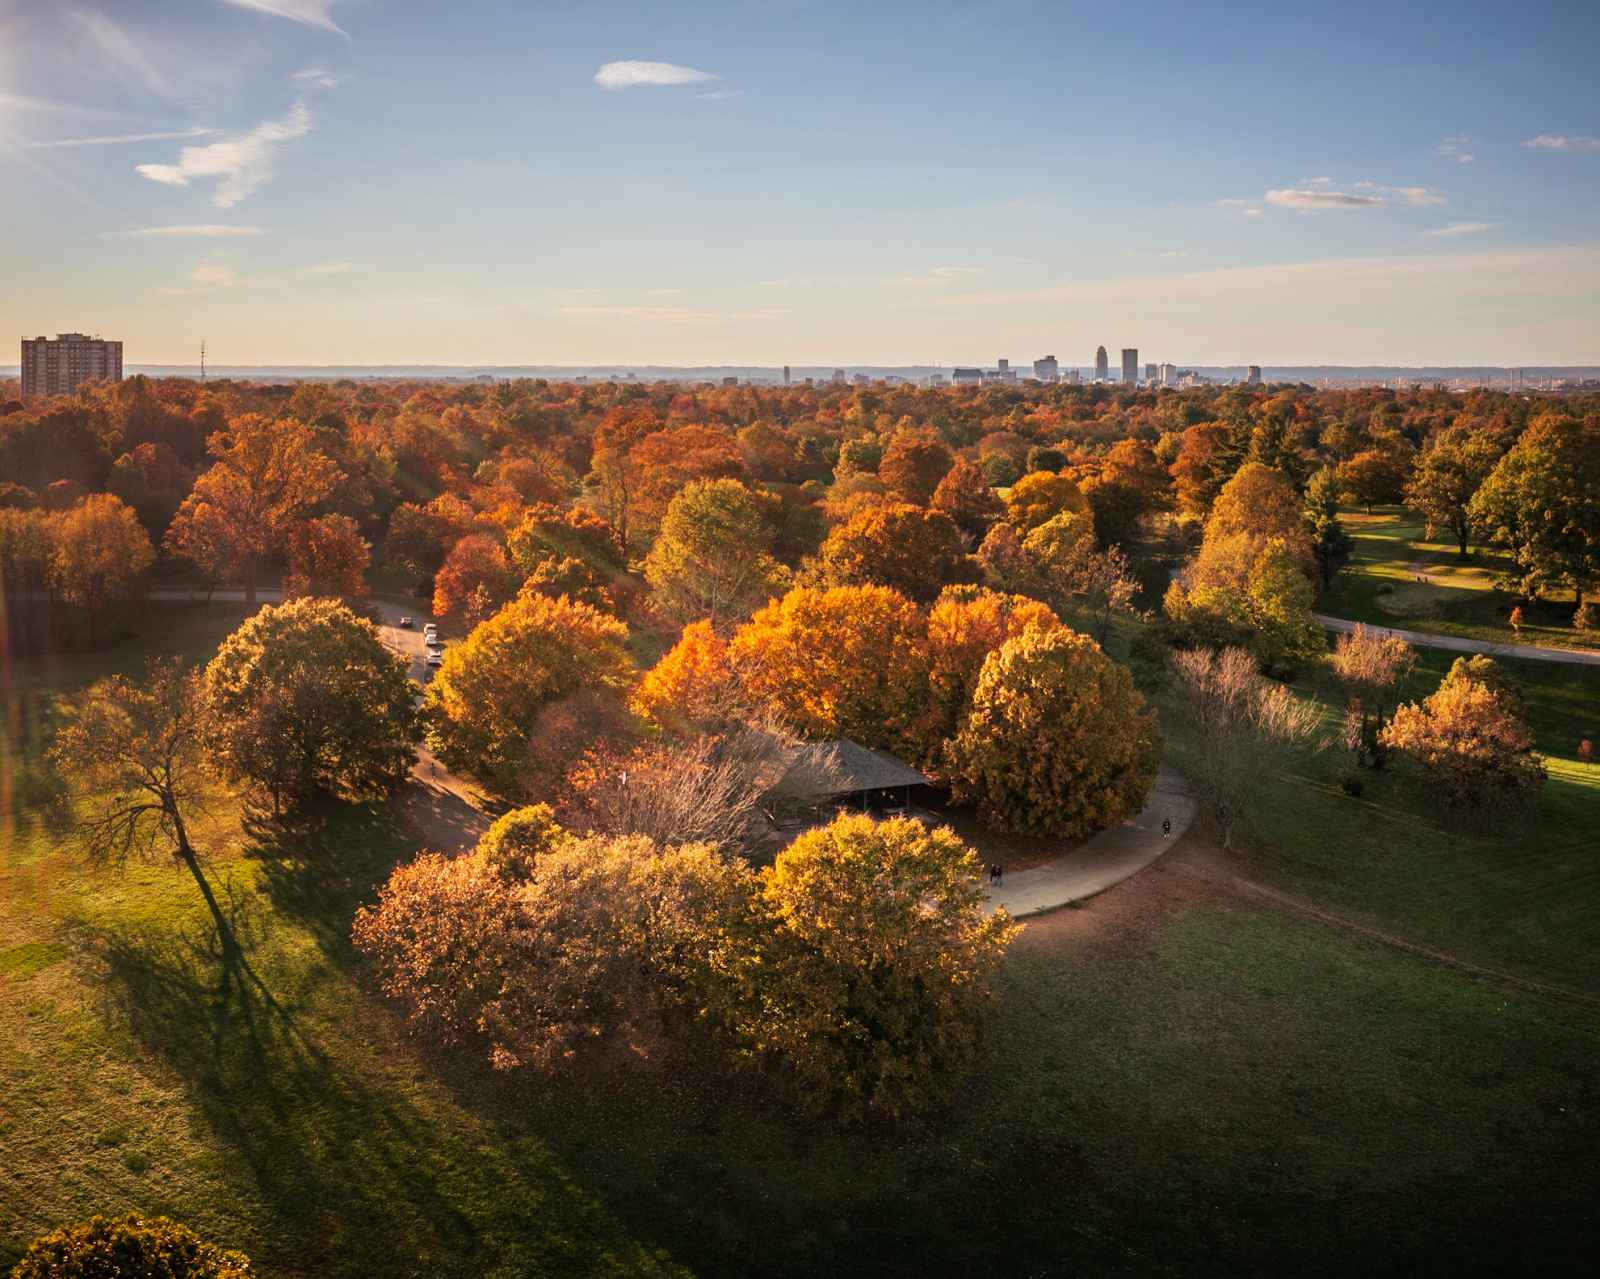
768	182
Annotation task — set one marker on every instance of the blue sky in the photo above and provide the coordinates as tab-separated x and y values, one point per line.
399	181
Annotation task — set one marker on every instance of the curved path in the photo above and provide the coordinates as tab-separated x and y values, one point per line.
1106	859
1422	639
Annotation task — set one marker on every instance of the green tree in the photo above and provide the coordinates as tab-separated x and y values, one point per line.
1057	740
870	983
1450	471
1540	502
304	699
712	558
131	1247
1330	544
482	705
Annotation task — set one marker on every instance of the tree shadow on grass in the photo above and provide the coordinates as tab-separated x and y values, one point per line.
349	1161
319	866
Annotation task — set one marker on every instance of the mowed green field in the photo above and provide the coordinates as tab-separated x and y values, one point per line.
1398	576
1181	1081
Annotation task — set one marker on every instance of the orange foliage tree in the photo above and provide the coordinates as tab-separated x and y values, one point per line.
846	662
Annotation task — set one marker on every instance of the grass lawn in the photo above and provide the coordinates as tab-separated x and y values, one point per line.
1181	1081
1523	897
1380	586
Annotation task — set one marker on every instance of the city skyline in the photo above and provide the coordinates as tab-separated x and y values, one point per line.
319	182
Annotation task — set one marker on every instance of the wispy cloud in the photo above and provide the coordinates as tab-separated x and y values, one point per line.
1230	204
119	51
206	231
1305	199
241	164
720	95
1563	142
117	139
310	13
1252	213
1416	197
316	77
1316	182
952	272
1173	253
46	106
1458	228
617	76
1455	148
326	268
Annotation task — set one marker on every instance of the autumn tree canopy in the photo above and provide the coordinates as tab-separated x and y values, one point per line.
1057	740
304	699
483	704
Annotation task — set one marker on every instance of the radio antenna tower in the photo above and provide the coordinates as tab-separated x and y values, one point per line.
202	361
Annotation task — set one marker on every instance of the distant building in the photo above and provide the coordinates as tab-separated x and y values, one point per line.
861	379
1130	365
839	378
786	375
1102	366
60	365
1168	374
966	377
1150	374
936	379
1073	378
1047	369
1253	377
1003	366
730	381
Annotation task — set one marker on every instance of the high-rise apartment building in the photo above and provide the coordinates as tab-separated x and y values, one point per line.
1047	369
1130	365
1253	376
1102	366
1169	374
1150	374
60	365
786	375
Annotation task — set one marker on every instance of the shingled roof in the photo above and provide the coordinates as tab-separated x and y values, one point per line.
820	769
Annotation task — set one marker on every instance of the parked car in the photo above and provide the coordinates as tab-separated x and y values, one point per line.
435	658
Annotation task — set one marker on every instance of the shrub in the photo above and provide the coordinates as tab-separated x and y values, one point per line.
132	1247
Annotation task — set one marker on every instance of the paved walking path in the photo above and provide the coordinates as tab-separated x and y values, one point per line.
1106	859
1422	639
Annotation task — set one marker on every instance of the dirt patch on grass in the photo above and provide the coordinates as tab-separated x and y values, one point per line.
1195	873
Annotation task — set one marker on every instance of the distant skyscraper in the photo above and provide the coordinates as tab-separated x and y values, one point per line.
1150	374
786	375
1130	365
1102	366
1253	377
1047	369
1072	377
966	377
1169	374
838	376
61	365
